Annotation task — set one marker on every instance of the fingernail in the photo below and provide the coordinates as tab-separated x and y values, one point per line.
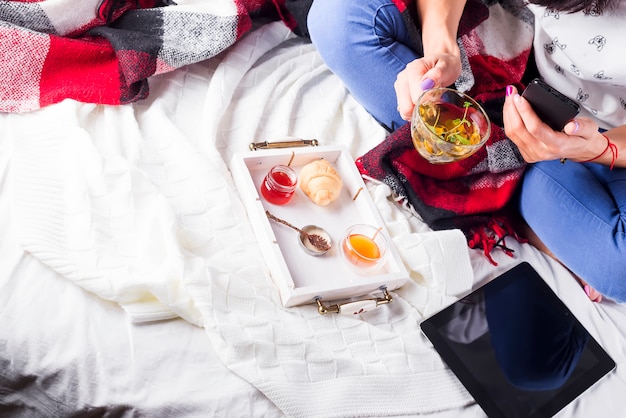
509	90
427	84
576	126
587	290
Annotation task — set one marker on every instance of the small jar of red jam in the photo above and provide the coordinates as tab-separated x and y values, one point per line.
279	185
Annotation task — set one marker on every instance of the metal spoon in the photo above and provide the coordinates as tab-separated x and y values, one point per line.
317	241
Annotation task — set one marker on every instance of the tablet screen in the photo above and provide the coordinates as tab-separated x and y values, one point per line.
516	347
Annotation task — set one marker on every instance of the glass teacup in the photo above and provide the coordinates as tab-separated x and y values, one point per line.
448	125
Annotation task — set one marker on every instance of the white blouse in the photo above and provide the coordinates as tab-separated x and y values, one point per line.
584	57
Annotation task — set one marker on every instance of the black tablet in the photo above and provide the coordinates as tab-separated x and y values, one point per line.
516	347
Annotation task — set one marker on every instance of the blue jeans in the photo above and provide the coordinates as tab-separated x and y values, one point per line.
366	44
579	212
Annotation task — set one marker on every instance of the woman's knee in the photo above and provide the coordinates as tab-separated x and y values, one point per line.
330	30
579	221
365	43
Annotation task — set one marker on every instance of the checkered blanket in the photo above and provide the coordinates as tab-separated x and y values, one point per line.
104	51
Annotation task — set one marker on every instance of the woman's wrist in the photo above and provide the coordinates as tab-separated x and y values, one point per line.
609	153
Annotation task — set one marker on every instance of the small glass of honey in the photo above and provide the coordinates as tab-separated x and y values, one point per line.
364	247
279	185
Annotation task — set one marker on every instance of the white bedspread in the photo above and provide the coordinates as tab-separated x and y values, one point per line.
136	205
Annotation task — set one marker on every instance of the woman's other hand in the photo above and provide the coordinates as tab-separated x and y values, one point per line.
579	140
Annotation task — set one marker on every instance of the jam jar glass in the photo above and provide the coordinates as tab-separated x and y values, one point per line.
279	185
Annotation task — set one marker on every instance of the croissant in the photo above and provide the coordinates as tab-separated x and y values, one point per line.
320	182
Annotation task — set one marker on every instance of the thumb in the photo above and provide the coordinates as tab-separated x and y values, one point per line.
581	127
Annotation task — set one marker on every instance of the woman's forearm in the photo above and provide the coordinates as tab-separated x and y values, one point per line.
439	20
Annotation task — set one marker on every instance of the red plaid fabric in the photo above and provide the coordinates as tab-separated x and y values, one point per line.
104	51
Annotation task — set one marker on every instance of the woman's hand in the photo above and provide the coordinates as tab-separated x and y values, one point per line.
441	64
579	140
424	74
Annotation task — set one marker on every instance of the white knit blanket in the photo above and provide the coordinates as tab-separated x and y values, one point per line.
137	205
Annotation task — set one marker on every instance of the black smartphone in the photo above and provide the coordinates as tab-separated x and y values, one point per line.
552	107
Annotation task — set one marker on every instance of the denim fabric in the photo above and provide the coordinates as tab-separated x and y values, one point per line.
365	44
579	212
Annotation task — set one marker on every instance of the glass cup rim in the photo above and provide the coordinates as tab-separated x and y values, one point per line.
286	170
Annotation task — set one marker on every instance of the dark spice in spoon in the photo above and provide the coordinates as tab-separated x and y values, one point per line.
317	241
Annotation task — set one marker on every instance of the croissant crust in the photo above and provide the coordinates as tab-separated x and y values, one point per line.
320	182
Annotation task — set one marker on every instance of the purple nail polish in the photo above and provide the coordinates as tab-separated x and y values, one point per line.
509	90
427	84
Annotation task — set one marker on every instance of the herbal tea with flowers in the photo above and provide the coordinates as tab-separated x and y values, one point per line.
443	120
448	125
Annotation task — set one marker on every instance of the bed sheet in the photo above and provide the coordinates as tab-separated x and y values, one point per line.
71	346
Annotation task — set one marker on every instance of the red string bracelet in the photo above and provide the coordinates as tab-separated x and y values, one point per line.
609	145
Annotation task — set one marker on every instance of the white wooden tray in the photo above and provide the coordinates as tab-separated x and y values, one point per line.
300	277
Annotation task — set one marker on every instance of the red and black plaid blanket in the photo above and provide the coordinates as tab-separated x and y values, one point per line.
104	51
470	194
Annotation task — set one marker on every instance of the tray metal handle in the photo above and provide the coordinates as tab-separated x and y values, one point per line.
355	307
288	142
